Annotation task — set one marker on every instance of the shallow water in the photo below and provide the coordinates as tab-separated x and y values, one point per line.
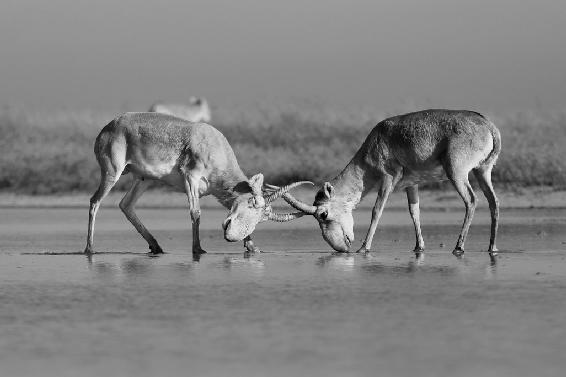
296	309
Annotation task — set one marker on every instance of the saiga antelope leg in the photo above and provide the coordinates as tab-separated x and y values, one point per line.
127	206
382	195
249	245
462	185
192	188
107	181
414	210
483	175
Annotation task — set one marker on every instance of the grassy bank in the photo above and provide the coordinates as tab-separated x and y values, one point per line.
52	153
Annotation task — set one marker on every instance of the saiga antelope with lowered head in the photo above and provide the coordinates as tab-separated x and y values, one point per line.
194	158
403	151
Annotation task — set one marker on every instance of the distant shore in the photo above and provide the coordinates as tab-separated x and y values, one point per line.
541	197
52	153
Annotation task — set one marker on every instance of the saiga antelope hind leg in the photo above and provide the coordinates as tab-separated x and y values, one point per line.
414	210
483	176
459	178
127	206
107	181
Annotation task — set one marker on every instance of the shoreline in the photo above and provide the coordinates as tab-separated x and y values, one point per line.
525	198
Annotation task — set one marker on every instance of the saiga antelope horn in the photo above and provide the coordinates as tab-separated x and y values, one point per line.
282	190
283	217
297	204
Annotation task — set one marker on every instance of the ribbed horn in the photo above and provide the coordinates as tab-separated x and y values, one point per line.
297	204
282	190
283	217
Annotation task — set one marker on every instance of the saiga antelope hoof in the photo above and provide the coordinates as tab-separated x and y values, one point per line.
458	252
199	250
253	250
493	251
154	250
418	250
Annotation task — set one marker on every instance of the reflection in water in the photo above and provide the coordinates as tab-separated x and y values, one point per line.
347	261
228	263
491	268
130	268
182	266
145	266
103	269
419	258
89	260
493	259
410	268
376	266
384	264
341	261
137	266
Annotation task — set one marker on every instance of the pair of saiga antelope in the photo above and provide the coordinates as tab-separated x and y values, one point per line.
401	151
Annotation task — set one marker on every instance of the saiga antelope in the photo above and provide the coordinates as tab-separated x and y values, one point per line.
197	110
194	158
403	151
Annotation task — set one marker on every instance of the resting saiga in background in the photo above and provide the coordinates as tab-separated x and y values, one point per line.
197	110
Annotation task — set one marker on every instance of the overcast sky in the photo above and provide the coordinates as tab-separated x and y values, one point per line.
490	55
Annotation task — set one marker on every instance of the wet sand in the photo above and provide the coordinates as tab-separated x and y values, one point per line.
296	309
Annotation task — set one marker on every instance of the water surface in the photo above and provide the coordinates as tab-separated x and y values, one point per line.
296	309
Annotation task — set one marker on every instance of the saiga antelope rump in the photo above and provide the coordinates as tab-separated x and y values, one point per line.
194	158
403	151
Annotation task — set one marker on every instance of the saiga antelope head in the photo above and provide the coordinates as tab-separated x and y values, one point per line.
252	206
334	216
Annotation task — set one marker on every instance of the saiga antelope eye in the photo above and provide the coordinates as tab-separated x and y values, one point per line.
253	202
324	215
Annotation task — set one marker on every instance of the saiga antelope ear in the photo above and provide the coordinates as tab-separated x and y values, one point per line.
256	184
328	190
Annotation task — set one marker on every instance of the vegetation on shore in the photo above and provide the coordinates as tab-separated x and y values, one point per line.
52	153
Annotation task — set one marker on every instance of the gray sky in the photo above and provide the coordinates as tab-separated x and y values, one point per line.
491	55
